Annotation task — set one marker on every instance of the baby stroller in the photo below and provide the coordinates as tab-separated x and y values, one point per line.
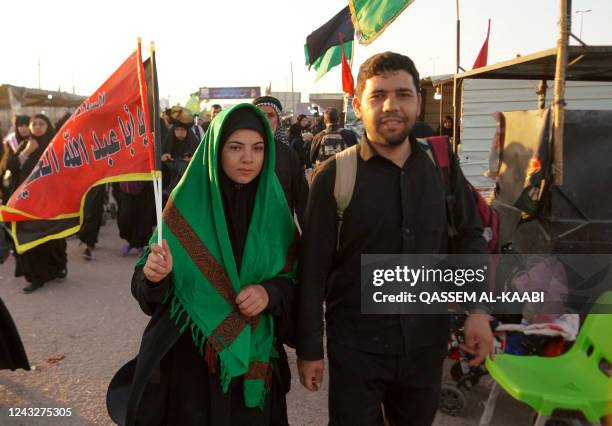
542	339
531	333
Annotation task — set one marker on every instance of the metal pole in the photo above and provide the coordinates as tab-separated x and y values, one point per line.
559	99
582	12
456	115
441	102
458	47
292	99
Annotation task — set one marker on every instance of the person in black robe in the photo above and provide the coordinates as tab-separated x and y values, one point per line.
93	213
178	148
169	383
297	142
9	168
47	261
288	166
9	176
135	215
12	353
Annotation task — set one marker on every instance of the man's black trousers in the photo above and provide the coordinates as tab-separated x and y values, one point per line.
360	382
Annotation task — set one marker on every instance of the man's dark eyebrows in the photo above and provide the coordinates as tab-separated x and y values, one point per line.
406	90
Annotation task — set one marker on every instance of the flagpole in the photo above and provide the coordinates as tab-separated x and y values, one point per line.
458	47
157	182
292	99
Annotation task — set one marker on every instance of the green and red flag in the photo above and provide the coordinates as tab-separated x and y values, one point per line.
107	139
372	17
323	48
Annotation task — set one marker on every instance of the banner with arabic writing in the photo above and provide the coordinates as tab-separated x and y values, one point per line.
107	139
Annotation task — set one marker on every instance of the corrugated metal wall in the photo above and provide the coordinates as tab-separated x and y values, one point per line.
482	98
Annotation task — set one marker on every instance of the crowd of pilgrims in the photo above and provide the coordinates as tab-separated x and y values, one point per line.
133	203
182	133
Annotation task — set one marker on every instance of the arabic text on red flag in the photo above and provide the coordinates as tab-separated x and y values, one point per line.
107	139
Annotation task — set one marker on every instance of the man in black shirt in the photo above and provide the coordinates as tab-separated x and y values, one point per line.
398	206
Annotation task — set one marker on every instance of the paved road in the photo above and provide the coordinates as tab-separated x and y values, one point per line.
77	333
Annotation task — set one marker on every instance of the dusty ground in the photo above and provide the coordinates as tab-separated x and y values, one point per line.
77	333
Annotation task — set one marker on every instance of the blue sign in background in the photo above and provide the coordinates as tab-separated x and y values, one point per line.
229	92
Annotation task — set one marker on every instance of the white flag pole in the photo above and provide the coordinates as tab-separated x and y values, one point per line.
157	181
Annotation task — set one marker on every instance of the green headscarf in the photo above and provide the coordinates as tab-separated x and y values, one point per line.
205	277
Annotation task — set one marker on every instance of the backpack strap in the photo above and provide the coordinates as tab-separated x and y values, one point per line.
437	149
346	174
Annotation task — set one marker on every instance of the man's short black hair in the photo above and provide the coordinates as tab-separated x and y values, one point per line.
331	116
216	106
386	61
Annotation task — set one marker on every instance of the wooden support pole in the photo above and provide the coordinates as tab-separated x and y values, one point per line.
559	98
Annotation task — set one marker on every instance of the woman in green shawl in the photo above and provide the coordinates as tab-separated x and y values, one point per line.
220	290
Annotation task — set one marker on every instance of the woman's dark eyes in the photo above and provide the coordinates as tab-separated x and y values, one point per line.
237	148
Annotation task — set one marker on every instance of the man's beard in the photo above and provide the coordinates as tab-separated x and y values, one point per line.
397	139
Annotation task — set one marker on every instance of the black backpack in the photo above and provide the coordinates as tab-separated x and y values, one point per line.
331	144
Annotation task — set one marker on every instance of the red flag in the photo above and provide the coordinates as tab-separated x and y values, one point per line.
481	60
348	85
107	139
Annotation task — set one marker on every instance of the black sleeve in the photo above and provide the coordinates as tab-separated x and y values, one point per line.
281	293
13	163
167	144
28	166
314	149
317	253
349	137
307	146
148	294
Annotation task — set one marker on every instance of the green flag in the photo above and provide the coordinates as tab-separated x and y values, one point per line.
371	17
193	104
331	58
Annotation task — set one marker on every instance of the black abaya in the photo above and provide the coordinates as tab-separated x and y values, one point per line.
170	383
47	261
92	215
12	354
136	216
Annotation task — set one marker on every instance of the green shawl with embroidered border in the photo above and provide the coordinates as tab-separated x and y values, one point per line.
205	277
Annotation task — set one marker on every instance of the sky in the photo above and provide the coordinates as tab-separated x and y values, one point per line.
253	43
